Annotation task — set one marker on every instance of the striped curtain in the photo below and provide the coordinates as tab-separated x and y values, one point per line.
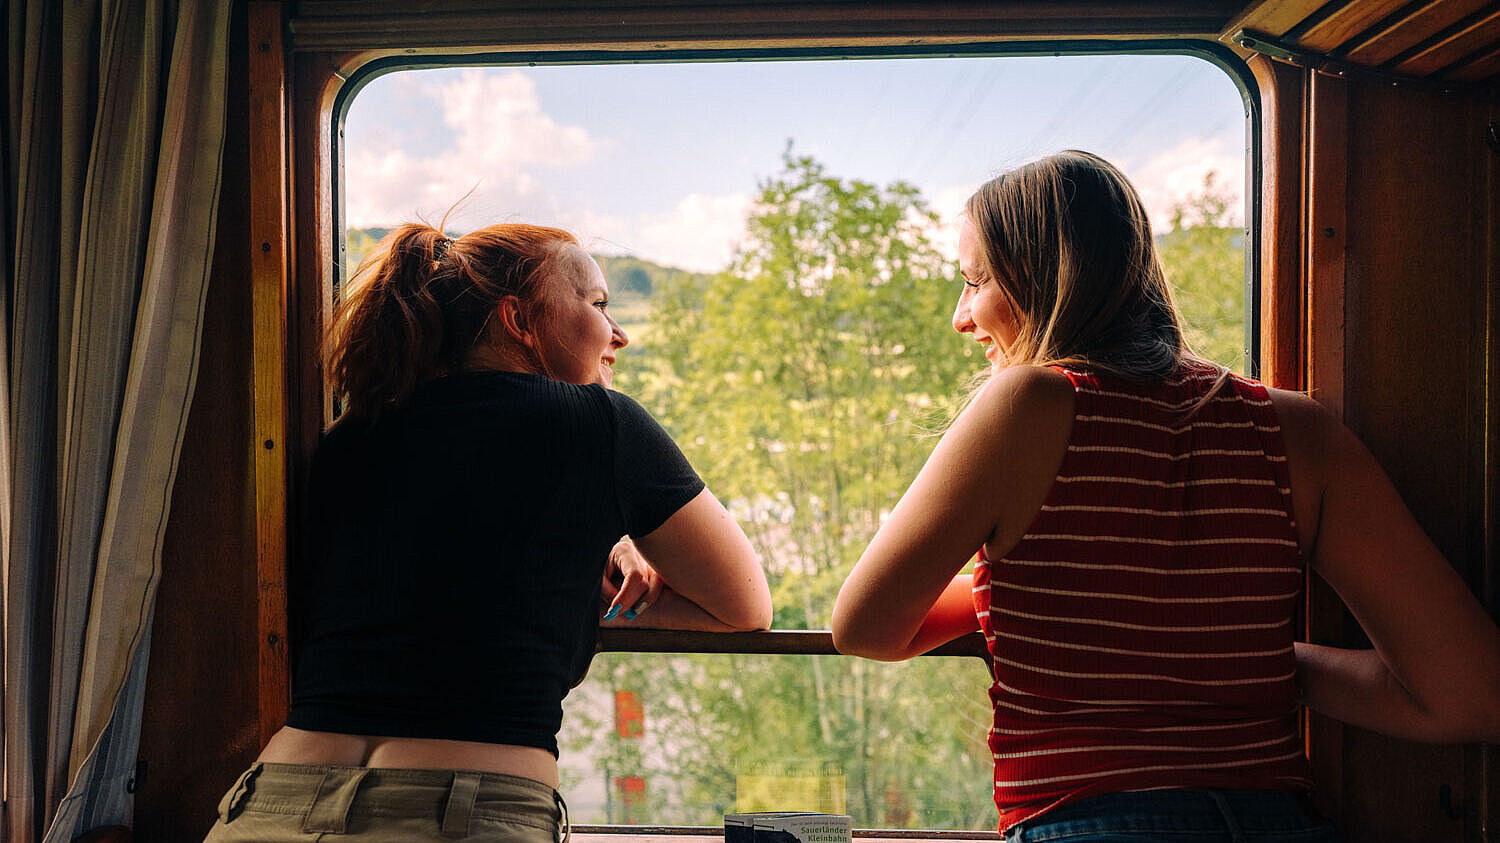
112	144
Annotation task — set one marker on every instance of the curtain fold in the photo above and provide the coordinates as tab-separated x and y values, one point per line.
116	141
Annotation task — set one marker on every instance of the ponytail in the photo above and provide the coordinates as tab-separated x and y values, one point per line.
417	305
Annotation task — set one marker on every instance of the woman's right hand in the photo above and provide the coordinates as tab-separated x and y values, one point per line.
704	558
630	584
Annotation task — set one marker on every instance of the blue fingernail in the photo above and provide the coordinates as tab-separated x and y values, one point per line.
610	615
629	614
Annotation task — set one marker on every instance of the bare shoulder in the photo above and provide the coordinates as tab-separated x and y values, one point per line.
1308	428
1320	452
1030	395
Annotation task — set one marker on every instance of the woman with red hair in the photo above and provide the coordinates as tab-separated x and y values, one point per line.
462	518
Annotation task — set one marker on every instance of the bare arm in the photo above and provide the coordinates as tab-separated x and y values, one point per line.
711	573
951	616
1434	672
983	484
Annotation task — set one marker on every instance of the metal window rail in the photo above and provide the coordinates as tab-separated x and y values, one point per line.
775	642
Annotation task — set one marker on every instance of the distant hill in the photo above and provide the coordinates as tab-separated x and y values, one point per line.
632	275
629	276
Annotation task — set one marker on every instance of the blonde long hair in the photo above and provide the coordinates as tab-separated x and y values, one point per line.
1067	240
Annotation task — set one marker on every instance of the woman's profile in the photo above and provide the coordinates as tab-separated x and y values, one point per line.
1143	521
461	524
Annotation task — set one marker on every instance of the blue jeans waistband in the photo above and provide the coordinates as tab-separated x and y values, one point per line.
1186	815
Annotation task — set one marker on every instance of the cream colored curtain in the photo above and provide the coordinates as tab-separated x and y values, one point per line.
114	140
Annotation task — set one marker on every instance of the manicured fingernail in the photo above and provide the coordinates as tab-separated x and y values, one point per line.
629	614
610	615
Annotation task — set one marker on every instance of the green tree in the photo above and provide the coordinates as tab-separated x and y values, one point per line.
1204	258
803	382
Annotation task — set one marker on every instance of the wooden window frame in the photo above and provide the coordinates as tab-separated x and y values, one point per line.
304	71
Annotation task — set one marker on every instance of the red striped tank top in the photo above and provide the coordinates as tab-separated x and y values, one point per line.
1140	633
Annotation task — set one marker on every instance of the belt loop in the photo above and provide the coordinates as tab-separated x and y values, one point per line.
330	809
234	800
566	825
461	795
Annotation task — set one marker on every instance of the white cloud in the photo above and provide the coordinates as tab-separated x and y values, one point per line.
699	234
1172	175
949	204
499	132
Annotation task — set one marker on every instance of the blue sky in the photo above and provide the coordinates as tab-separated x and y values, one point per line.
661	160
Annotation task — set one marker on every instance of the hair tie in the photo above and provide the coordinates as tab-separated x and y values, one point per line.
440	250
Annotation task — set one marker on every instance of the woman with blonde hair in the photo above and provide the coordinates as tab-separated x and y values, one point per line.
462	518
1142	520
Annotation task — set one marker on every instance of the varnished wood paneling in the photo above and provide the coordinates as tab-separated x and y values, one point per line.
1414	300
1281	312
199	727
1407	30
1489	760
1346	22
1482	65
1326	203
1327	210
349	26
1274	17
1475	34
268	257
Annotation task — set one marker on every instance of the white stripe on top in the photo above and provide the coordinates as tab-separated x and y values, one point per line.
1162	455
1169	513
1149	677
1034	753
1099	774
1209	599
1245	425
1143	627
1157	654
1142	569
1226	540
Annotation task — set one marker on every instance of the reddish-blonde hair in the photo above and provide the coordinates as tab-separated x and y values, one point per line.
417	305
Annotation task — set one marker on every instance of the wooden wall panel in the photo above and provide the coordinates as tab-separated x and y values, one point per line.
1409	29
1488	762
1273	17
612	24
1281	296
1454	45
269	259
1326	237
1413	346
199	728
1346	22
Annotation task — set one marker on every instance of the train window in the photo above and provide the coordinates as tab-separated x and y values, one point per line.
682	740
780	242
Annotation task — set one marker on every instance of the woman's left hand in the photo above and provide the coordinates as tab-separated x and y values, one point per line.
630	584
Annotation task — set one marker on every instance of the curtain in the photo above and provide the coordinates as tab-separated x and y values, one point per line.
112	145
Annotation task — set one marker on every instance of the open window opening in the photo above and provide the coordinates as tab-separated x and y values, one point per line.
780	242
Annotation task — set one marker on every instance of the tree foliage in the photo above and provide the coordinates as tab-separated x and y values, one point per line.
803	382
1204	258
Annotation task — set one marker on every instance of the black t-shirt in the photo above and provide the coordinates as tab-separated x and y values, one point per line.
449	586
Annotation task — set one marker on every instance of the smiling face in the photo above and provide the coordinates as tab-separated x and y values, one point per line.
983	310
581	338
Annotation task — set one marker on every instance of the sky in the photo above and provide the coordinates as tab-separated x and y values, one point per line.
661	161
